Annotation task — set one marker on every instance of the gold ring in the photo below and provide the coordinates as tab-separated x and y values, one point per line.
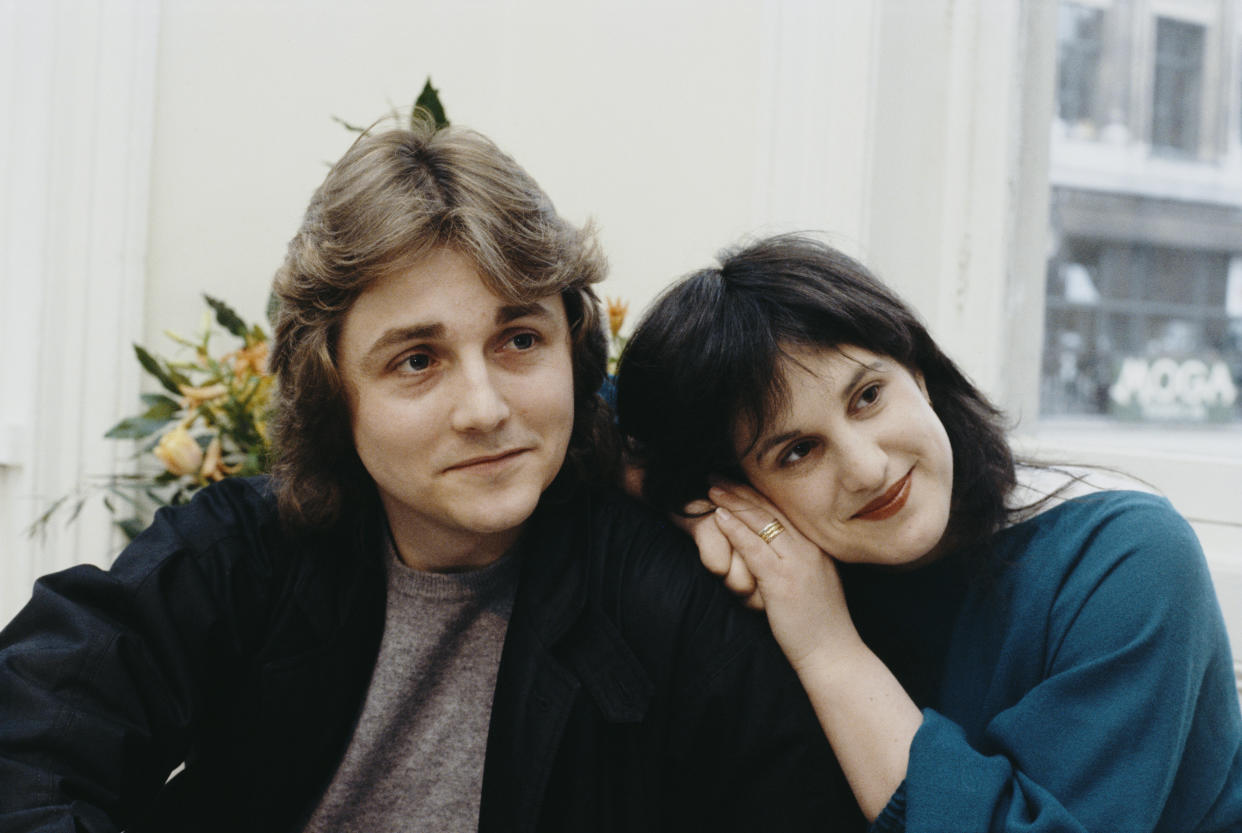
771	531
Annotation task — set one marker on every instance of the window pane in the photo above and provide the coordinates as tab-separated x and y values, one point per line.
1173	354
1178	74
1143	312
1078	62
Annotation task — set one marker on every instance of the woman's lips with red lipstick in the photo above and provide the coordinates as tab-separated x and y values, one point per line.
889	503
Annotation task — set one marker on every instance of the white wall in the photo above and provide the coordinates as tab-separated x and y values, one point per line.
77	94
644	115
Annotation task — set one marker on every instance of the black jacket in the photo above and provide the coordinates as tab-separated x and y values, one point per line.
633	694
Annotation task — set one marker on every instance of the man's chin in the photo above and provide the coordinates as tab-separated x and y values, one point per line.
497	514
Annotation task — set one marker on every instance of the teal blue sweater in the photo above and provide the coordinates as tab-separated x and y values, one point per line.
1083	683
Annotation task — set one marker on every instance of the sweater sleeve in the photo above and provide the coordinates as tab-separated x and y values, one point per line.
1128	720
103	672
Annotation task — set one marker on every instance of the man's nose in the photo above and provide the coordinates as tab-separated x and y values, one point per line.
480	405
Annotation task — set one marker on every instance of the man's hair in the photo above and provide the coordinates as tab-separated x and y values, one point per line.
707	357
393	198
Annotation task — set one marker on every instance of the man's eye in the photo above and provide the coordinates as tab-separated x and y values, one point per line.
416	362
524	341
869	395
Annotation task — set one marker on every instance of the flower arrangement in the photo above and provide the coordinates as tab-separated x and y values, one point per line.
210	422
617	309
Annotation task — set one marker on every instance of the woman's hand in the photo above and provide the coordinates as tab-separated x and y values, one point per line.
796	582
867	716
717	553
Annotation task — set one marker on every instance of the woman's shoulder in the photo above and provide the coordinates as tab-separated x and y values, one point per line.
1125	542
1118	514
1073	504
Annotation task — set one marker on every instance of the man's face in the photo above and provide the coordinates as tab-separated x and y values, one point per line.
461	404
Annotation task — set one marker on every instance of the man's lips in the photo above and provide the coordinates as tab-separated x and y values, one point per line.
487	460
889	503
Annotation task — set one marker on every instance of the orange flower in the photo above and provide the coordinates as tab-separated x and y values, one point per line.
252	359
179	452
214	467
193	397
616	314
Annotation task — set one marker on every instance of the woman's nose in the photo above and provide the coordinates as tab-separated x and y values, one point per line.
480	406
862	465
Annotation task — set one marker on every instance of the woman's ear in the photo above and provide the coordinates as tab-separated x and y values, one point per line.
922	383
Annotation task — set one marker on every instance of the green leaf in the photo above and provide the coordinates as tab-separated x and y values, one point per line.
77	510
152	399
39	526
350	127
135	428
228	319
132	527
160	406
429	100
273	307
152	365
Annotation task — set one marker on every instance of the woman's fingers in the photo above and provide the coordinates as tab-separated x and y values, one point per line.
739	579
748	548
755	600
751	508
715	551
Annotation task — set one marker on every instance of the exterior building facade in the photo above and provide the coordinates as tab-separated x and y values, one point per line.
1143	317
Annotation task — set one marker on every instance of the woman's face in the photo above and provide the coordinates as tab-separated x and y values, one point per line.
858	460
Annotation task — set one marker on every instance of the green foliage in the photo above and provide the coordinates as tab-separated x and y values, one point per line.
429	100
212	426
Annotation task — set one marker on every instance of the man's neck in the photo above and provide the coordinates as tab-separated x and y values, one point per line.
444	551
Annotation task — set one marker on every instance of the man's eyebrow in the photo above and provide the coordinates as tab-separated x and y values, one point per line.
400	335
512	312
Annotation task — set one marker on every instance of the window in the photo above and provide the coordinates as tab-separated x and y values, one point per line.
1143	306
1176	87
1139	332
1078	59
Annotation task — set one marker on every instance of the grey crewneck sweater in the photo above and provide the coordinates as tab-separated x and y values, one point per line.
415	762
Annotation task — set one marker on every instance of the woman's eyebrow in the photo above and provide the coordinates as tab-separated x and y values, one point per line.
771	441
862	370
767	443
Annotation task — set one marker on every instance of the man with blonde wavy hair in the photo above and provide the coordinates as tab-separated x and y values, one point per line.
436	614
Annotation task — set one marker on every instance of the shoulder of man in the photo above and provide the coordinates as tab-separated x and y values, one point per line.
754	754
644	574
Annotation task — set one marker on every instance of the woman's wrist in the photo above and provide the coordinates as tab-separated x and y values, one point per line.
836	659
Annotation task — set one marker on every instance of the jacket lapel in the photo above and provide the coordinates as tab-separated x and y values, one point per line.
535	691
560	647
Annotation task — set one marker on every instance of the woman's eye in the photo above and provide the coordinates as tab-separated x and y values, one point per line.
797	451
869	395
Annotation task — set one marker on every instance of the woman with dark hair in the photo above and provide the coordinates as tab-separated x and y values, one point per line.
979	661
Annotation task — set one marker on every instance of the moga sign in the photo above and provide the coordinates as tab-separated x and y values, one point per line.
1171	389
